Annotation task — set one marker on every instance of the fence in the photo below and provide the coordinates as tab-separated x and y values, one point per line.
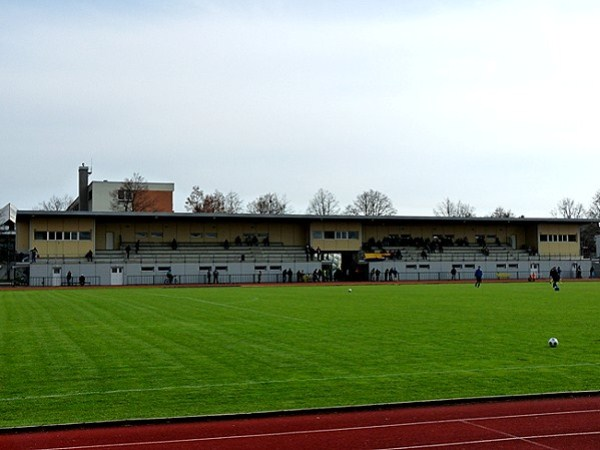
52	281
225	277
203	279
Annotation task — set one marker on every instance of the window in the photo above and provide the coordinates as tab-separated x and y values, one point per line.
339	235
558	238
125	195
40	235
62	235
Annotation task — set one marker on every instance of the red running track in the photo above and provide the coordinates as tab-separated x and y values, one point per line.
554	423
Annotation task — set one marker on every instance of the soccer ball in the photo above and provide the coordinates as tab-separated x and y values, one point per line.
553	342
350	290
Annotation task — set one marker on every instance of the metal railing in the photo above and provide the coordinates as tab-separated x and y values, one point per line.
55	282
272	277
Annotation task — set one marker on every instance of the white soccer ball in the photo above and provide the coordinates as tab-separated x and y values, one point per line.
553	342
349	289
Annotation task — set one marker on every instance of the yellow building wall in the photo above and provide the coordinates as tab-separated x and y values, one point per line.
332	245
506	234
56	247
203	232
125	230
560	247
22	238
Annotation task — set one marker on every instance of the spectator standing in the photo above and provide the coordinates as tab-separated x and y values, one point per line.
478	276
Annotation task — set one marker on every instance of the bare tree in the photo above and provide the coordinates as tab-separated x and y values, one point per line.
464	210
501	213
132	195
371	203
448	208
567	208
269	203
323	203
194	201
594	211
217	202
233	203
56	203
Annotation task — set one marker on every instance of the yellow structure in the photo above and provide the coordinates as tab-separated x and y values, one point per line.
245	244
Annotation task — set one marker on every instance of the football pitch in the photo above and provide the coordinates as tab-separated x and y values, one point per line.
86	355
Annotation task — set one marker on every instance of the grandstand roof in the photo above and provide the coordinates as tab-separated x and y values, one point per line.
103	215
8	214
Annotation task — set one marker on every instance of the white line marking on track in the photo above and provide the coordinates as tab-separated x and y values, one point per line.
504	433
358	428
491	441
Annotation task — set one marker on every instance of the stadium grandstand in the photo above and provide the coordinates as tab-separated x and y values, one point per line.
137	248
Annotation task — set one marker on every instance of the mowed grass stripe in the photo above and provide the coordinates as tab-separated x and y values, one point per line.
87	355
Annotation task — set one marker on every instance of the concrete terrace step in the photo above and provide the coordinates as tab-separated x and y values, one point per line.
202	254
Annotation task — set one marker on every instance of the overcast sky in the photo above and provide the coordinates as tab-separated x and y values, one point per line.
491	103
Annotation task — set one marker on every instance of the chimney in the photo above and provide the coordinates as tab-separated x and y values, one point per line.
83	187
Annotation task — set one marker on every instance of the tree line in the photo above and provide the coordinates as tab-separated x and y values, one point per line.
130	197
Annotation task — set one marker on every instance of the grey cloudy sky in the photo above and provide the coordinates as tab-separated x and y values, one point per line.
492	103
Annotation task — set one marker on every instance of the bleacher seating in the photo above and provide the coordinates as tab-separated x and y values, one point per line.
202	253
471	252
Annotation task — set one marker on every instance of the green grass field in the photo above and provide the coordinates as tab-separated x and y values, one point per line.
84	355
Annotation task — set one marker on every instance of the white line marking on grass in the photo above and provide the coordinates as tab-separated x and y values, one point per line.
360	428
193	387
238	308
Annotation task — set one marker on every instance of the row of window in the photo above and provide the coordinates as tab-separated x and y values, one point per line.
159	235
337	235
204	269
558	238
62	235
465	266
340	235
